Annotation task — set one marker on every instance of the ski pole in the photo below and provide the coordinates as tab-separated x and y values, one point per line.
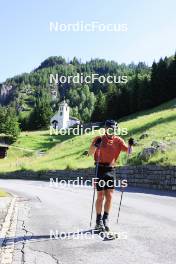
96	173
120	206
129	152
93	200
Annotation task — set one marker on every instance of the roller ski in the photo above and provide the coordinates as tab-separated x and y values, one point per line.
107	234
103	230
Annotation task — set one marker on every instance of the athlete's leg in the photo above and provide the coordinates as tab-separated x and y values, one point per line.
108	200
99	206
107	207
99	201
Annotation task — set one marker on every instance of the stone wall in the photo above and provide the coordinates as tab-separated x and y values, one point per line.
145	176
150	176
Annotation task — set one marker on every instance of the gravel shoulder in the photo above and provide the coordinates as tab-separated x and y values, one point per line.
4	205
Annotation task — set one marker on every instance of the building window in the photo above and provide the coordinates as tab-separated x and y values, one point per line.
60	113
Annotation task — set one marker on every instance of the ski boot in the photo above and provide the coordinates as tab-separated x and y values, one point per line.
99	224
106	222
108	235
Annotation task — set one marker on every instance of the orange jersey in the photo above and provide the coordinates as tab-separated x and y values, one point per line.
110	149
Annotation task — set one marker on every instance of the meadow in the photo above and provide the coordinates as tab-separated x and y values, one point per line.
61	152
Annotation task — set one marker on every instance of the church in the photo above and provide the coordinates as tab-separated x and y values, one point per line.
62	118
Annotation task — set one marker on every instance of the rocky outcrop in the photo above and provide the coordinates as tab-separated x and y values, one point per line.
144	135
156	146
5	91
147	153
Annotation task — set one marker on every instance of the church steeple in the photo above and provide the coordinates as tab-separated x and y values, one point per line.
63	114
62	119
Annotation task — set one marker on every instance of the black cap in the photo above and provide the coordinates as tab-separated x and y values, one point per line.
110	124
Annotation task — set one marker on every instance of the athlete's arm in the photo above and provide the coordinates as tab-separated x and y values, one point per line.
127	148
95	144
123	146
92	150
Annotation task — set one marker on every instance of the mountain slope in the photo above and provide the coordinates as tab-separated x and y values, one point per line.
68	152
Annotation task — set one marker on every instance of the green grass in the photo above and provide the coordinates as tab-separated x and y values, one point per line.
3	193
67	151
160	124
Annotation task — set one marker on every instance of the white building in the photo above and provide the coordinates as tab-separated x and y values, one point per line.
62	118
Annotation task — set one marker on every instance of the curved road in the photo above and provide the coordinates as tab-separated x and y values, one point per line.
147	226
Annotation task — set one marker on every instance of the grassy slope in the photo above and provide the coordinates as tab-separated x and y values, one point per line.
67	151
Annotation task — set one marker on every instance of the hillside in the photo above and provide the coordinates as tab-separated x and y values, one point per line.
68	152
20	90
118	90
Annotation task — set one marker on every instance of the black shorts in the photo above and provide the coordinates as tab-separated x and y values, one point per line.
105	178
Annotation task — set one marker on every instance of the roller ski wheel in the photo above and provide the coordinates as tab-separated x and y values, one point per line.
108	235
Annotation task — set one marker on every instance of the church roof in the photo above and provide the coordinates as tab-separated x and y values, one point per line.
63	103
74	118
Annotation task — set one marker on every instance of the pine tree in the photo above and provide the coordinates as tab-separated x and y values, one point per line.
9	125
100	108
40	116
172	78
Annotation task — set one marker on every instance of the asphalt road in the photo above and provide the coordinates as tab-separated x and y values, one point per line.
147	226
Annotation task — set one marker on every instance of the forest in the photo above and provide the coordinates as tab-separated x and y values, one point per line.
34	99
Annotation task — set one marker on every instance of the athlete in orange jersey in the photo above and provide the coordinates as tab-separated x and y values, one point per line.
106	150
